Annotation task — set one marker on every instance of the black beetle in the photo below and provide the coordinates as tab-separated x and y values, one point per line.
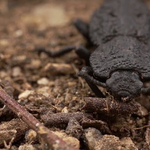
121	63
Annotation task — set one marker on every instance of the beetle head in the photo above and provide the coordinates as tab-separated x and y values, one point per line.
124	84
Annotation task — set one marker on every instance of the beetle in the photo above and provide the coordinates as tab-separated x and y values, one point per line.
121	62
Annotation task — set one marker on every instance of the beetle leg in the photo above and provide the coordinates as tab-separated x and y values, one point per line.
80	51
83	28
83	53
56	53
85	73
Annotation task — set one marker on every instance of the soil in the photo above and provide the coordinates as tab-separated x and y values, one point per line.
50	86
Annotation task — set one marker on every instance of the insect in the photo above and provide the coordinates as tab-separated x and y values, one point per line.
121	62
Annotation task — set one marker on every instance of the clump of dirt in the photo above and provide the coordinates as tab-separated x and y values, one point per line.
50	89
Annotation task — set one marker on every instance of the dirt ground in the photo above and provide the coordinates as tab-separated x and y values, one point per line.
50	86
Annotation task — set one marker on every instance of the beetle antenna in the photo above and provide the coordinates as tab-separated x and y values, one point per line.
55	53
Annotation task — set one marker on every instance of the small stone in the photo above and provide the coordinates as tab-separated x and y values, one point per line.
128	144
18	33
35	64
65	110
25	94
46	91
43	81
92	136
30	136
111	142
3	74
68	139
21	59
27	147
16	71
108	142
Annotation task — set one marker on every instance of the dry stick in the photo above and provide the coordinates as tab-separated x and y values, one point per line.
50	138
108	105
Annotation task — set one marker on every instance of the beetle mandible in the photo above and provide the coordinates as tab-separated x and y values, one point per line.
121	63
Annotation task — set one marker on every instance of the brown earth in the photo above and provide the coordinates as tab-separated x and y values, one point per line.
47	86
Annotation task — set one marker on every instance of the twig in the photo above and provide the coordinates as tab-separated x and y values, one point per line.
85	120
50	138
60	119
110	106
139	128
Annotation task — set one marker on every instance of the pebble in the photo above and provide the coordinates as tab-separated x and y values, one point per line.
92	135
46	91
109	142
68	139
43	81
96	141
16	71
27	147
25	94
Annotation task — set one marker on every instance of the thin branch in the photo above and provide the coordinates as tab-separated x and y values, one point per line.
110	106
50	138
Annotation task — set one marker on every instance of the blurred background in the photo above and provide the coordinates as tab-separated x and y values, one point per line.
30	23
